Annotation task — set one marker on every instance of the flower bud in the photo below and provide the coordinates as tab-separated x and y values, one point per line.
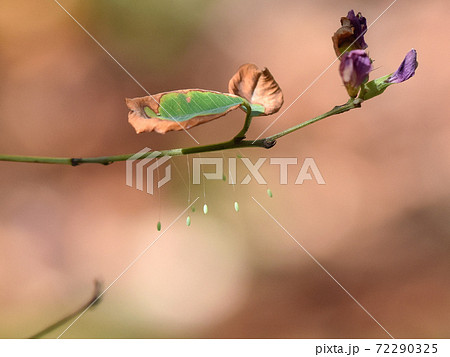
354	70
406	70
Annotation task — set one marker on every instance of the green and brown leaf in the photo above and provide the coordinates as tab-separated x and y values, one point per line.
186	108
179	109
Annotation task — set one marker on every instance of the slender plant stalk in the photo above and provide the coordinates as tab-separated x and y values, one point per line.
235	143
351	104
92	302
248	120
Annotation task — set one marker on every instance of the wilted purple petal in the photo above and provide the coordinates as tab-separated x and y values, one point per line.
354	69
360	27
350	36
406	70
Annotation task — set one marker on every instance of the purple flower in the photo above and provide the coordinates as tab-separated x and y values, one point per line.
351	35
406	70
354	69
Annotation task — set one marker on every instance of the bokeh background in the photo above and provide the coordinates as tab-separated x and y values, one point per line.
380	225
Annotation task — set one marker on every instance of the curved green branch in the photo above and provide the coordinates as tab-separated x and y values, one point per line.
248	120
235	143
351	104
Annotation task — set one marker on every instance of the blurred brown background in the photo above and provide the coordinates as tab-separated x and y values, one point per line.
380	225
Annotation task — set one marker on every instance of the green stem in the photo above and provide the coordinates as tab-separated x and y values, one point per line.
248	120
235	143
351	104
106	160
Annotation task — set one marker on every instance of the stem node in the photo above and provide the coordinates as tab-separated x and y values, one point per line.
75	161
269	143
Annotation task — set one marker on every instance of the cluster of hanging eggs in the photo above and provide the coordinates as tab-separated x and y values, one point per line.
205	211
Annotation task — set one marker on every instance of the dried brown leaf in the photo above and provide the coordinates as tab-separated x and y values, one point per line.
258	87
